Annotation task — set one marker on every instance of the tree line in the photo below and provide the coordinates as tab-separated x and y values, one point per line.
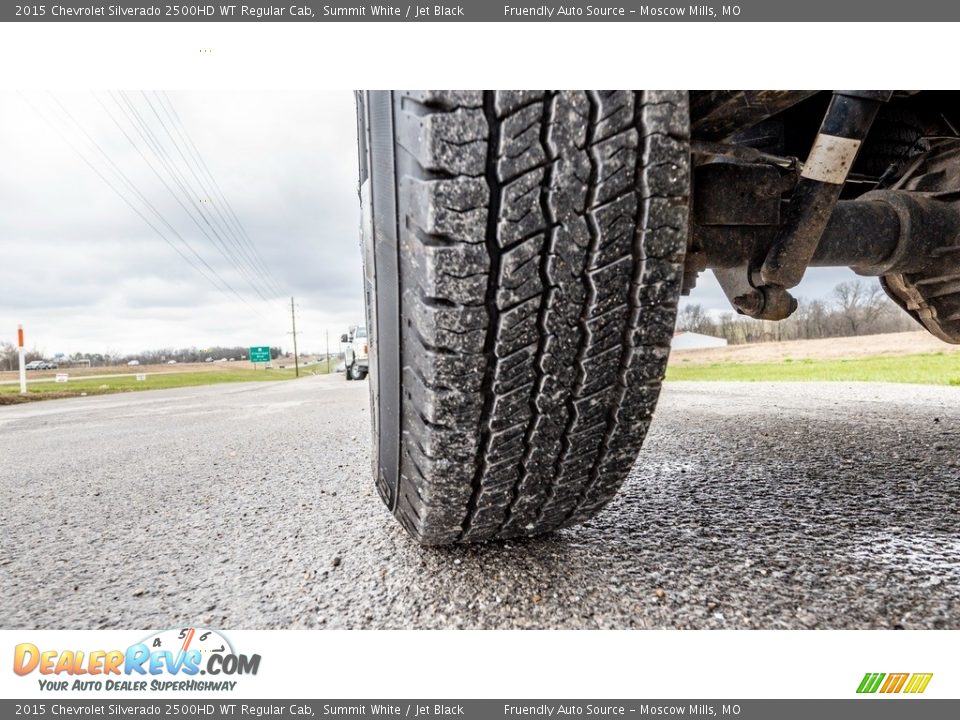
854	308
9	356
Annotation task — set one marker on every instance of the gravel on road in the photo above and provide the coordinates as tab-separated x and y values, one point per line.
755	505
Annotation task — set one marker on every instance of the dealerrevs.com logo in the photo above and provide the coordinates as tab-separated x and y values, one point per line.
910	683
168	660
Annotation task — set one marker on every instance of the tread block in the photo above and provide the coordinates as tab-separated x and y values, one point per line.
441	406
454	142
618	224
456	328
520	272
518	327
616	161
520	147
520	212
447	99
509	101
616	109
457	272
455	209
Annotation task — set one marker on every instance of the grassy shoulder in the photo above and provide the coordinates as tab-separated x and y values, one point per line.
45	390
937	368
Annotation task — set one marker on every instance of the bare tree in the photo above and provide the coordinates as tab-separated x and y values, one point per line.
693	318
860	304
8	356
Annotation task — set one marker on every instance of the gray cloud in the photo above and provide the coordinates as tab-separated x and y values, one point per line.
82	271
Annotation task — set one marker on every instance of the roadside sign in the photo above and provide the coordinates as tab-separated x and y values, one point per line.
260	353
62	377
141	377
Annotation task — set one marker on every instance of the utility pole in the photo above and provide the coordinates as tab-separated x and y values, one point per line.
23	369
296	358
328	351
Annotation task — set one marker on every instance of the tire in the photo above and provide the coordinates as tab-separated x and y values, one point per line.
523	255
356	372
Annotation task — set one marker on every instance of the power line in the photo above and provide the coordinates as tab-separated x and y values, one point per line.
171	113
147	202
166	162
239	257
170	165
133	188
225	222
133	207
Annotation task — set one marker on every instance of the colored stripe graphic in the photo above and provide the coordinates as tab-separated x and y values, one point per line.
918	682
894	683
870	682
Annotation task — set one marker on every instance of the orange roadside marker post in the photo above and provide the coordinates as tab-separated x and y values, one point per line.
23	370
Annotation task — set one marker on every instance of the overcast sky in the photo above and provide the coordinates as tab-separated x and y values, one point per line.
83	272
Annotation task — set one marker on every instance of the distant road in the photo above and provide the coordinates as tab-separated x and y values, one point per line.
251	505
12	377
52	378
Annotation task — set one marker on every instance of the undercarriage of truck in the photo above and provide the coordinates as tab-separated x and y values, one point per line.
865	179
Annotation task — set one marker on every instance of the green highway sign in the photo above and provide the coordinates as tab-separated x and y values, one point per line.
260	354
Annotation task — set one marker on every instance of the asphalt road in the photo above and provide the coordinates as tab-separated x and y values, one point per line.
250	506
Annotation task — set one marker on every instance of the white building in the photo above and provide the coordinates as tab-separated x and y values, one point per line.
683	340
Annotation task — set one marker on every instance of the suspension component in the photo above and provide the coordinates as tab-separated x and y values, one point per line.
908	235
844	128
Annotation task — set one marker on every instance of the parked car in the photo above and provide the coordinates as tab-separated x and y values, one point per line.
133	362
35	365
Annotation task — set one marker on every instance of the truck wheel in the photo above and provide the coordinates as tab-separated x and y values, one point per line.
356	372
523	255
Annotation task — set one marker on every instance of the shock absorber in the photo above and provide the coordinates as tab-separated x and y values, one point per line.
844	128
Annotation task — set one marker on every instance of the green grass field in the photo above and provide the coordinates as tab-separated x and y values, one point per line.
928	369
100	386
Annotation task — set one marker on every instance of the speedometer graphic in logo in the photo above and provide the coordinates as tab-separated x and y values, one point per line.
182	640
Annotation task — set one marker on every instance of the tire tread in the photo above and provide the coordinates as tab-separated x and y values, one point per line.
541	242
